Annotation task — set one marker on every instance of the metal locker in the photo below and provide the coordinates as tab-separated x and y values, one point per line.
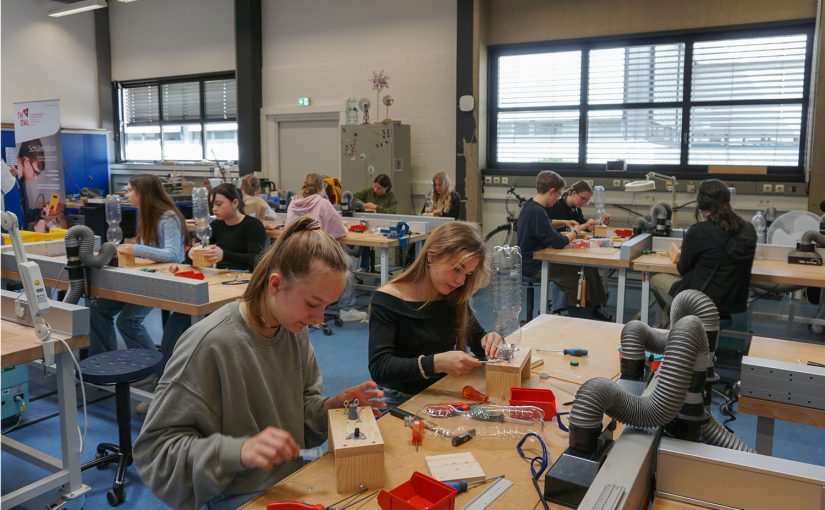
371	149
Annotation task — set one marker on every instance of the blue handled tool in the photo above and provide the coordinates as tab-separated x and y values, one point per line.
570	352
461	486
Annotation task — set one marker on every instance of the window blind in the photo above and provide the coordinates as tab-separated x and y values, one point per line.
181	101
220	101
141	105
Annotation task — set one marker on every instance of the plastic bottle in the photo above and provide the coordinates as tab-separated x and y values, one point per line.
732	191
598	203
114	234
506	263
428	203
200	213
759	223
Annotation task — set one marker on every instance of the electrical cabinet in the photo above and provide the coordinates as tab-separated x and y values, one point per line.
382	148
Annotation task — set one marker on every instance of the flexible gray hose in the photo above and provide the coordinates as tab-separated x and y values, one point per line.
715	434
648	223
80	246
813	236
668	210
637	337
599	396
644	223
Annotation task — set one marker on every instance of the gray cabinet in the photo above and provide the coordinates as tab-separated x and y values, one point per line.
371	149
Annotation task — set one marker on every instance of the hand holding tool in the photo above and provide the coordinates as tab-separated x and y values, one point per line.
570	352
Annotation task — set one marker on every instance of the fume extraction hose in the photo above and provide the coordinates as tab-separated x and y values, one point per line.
80	246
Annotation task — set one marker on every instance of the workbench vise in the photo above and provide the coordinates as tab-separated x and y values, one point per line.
400	231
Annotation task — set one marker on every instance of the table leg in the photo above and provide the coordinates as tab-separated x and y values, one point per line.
764	435
69	440
385	266
545	276
645	296
620	297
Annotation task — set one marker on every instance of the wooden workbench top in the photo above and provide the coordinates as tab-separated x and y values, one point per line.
601	257
20	344
315	483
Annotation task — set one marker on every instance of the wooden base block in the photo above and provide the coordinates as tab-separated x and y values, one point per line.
359	463
125	260
455	466
197	256
674	252
500	377
600	231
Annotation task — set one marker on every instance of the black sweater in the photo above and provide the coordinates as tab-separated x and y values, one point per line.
401	331
561	211
455	206
242	244
535	233
707	246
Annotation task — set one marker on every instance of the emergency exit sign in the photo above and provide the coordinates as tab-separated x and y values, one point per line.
304	101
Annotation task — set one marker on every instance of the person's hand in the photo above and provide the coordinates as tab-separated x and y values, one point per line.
454	363
367	393
571	224
268	447
573	235
213	254
491	343
370	207
126	249
606	219
589	225
437	212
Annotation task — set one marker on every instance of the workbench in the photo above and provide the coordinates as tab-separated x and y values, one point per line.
612	258
315	483
20	346
764	270
769	410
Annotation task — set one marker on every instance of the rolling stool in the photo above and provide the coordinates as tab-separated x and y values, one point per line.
119	368
531	283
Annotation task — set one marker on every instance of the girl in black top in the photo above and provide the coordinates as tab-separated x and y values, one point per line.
421	323
237	239
443	201
717	255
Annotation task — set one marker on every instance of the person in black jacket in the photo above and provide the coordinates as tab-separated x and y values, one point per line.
421	324
443	200
717	255
535	233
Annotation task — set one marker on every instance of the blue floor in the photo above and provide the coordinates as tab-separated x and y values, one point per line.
342	357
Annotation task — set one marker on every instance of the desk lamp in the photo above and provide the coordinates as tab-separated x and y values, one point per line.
649	184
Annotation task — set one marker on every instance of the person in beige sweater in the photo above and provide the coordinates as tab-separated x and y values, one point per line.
242	392
254	205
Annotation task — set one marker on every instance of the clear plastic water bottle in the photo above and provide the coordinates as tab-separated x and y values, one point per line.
114	234
428	203
598	203
506	264
759	223
200	213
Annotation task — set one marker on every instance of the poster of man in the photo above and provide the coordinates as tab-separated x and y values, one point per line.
39	165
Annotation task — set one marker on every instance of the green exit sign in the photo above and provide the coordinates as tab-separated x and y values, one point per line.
304	101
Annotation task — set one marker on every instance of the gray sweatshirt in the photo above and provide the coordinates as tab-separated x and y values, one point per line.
223	384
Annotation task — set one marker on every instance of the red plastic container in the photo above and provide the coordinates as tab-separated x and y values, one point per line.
418	493
543	399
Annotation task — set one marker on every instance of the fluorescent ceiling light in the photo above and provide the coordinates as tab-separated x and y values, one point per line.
78	7
640	186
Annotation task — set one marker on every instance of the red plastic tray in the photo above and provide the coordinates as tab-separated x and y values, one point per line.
418	493
543	399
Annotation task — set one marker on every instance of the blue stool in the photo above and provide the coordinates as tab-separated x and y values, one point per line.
119	368
531	284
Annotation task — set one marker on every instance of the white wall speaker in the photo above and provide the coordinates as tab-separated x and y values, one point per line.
466	103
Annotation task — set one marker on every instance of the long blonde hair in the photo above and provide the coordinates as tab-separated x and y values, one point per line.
442	200
456	238
298	246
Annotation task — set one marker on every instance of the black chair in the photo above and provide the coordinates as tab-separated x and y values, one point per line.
119	368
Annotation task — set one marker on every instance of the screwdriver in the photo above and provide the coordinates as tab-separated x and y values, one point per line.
461	486
571	352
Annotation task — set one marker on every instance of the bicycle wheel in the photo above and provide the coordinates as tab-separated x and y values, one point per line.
502	235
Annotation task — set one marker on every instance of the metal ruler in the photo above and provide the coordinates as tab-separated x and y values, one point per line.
609	498
489	495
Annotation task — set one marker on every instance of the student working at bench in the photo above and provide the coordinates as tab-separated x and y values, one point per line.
535	233
253	204
379	197
442	200
161	234
567	213
717	256
237	241
421	322
242	392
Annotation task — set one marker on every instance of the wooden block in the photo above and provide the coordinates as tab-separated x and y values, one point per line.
125	260
197	256
601	231
500	377
359	463
674	252
455	466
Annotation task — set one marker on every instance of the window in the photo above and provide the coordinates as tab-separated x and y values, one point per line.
675	104
178	119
